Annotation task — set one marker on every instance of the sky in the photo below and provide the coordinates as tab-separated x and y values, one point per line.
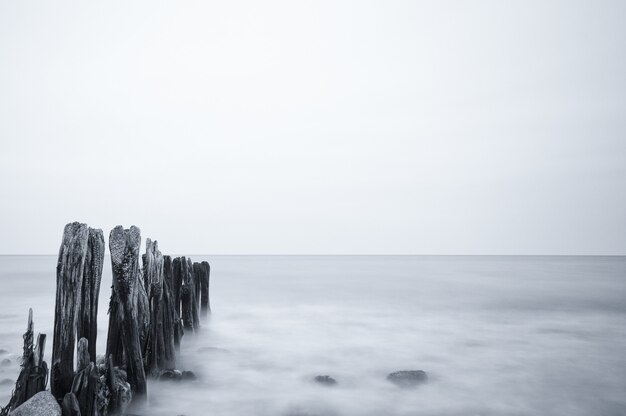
316	127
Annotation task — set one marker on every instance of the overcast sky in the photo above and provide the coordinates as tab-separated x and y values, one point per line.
264	127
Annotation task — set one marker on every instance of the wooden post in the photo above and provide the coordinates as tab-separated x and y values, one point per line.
201	281
115	349
188	296
187	300
124	247
87	384
33	374
142	304
87	325
146	284
70	267
153	275
120	394
197	277
39	374
167	270
177	281
171	319
205	305
195	307
114	401
70	406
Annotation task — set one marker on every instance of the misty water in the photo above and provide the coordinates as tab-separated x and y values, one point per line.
496	335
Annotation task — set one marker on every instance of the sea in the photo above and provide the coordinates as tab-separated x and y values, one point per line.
497	335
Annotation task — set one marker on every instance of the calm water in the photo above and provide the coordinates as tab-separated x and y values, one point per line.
497	335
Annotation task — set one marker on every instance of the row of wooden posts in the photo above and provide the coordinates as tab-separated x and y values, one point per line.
149	312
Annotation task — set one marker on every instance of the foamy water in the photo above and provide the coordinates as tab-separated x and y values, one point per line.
497	335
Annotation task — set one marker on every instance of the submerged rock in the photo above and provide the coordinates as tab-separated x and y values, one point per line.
3	351
189	375
171	375
176	375
408	378
5	363
6	382
41	404
325	380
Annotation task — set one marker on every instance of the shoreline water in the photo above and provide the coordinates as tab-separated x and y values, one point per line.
503	336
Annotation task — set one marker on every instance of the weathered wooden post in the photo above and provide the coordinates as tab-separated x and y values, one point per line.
142	304
124	247
70	268
120	391
153	275
203	270
171	320
115	349
87	384
177	281
197	276
187	300
87	324
70	405
188	296
38	376
167	271
195	299
34	372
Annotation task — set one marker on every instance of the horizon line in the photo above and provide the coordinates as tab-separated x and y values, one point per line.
357	255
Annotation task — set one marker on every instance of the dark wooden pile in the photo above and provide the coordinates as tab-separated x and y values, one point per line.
127	317
149	312
201	272
34	372
70	268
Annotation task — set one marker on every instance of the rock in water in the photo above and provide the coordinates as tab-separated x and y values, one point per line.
174	375
325	380
189	375
411	378
41	404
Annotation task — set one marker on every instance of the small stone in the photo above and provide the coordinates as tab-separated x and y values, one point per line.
189	375
3	351
5	363
410	378
171	375
41	404
325	380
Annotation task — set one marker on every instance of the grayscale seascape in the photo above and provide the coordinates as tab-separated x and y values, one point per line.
406	208
497	335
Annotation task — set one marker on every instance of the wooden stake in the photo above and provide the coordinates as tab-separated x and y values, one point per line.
34	372
70	267
87	325
124	247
